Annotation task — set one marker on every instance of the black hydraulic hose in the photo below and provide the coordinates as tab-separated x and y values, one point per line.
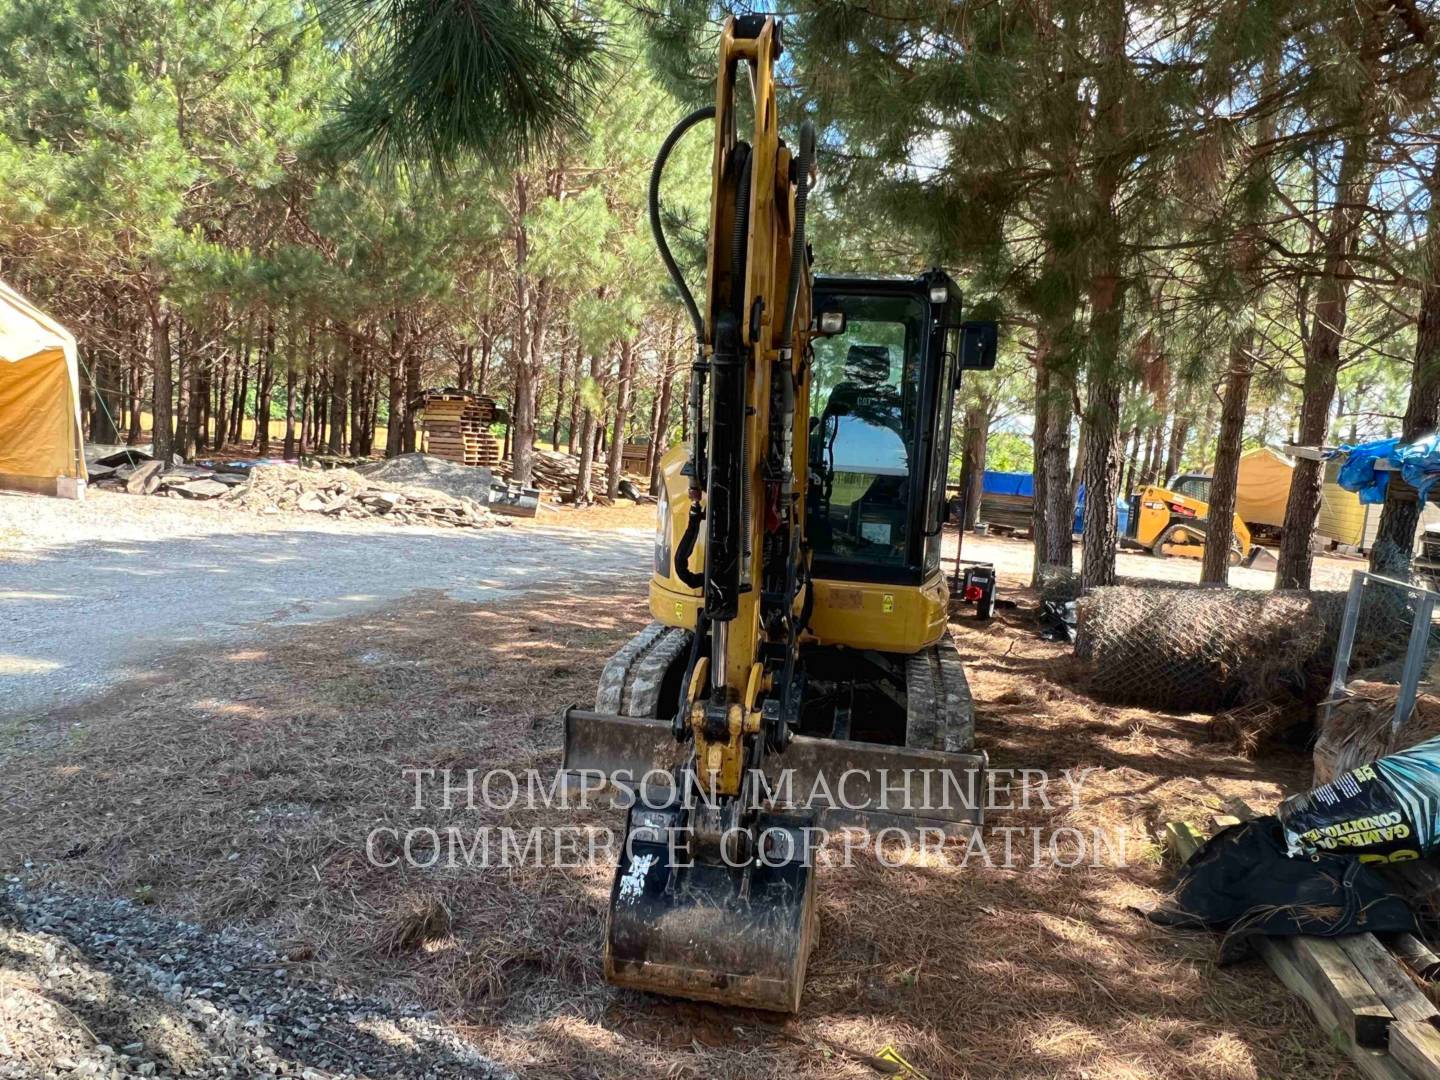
803	161
658	230
686	547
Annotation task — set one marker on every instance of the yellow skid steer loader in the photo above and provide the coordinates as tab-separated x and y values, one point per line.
1174	520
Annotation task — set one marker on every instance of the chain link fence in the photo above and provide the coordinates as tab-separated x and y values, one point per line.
1207	649
1384	691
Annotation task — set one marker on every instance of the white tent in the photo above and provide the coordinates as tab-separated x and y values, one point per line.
41	442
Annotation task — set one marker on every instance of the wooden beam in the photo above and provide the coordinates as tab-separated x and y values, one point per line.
1361	1014
1415	954
1372	1063
1391	983
1415	1045
1183	839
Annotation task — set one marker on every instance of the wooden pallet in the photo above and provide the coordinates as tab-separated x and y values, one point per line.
1371	1000
456	427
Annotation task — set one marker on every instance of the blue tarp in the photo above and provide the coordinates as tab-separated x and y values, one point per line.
1419	465
1358	473
1009	483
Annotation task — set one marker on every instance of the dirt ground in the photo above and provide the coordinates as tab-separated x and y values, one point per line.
91	592
244	785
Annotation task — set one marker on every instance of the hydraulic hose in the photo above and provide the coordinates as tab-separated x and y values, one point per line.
686	547
804	159
658	230
697	375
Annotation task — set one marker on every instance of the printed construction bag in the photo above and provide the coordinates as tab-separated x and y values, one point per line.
1386	811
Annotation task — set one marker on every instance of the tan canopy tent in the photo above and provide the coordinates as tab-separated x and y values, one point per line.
1263	488
42	447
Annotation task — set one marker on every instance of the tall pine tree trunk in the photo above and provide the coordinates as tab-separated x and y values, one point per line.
661	439
622	417
265	384
1054	509
573	441
1322	364
522	406
289	451
1107	307
412	392
975	427
1395	541
395	390
559	397
486	344
464	368
137	393
161	390
1215	563
339	390
587	438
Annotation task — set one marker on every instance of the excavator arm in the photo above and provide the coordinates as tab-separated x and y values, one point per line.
714	896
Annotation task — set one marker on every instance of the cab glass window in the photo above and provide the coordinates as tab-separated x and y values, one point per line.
864	400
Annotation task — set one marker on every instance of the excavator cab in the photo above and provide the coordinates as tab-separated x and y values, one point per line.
798	675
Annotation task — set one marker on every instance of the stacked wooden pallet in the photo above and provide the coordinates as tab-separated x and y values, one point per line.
1007	511
633	457
457	428
1370	1000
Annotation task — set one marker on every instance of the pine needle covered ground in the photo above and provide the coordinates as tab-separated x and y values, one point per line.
240	787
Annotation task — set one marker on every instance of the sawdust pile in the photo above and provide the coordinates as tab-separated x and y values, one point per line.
344	493
1207	649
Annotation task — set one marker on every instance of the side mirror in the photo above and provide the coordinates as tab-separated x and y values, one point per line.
830	323
979	341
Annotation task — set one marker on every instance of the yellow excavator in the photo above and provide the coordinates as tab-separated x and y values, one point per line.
798	672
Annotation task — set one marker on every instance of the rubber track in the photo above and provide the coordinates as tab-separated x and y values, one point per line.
631	682
940	714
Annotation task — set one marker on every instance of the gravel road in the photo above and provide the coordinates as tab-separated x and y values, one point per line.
94	593
103	988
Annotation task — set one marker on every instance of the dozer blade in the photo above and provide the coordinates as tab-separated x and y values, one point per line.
737	935
842	782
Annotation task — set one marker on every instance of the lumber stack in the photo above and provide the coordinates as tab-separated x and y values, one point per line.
1369	996
456	425
1007	511
557	473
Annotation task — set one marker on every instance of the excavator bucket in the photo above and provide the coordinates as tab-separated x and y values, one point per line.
715	931
739	931
1260	559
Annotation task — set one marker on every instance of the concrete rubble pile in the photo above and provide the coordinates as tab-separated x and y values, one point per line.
345	493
